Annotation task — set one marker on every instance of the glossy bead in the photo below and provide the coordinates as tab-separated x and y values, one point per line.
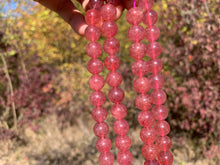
106	158
136	33
158	96
94	49
95	4
139	68
114	79
134	16
121	127
101	129
156	81
165	158
97	98
96	82
141	84
109	29
153	49
94	66
104	144
124	158
148	135
92	33
155	65
137	50
99	114
111	46
164	143
112	62
150	17
149	151
160	112
119	111
152	33
145	118
162	128
108	12
151	162
116	95
123	142
92	17
146	4
143	102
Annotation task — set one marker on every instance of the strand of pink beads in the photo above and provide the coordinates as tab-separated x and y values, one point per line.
116	95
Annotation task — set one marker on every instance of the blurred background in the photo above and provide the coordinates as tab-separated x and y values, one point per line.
44	85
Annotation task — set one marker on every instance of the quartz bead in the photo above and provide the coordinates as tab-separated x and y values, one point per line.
164	143
149	151
97	98
116	95
111	46
124	158
156	81
114	79
109	29
94	66
96	82
108	12
95	4
141	84
106	158
145	118
151	162
136	33
158	96
160	112
134	16
148	135
165	158
146	4
139	68
143	102
99	114
119	111
155	65
104	145
112	62
137	50
162	128
153	49
150	18
121	127
101	129
92	33
92	17
123	142
94	49
152	33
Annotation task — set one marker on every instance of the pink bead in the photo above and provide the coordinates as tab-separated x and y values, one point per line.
134	16
165	158
145	118
109	29
158	96
137	50
113	2
124	158
111	46
114	79
164	143
119	111
94	66
121	127
143	102
139	68
148	135
151	162
108	12
156	81
116	95
99	114
97	98
136	33
104	145
153	49
149	151
92	17
162	128
155	65
112	62
92	33
94	49
141	84
146	4
150	17
152	33
106	158
160	112
95	4
123	142
96	82
101	129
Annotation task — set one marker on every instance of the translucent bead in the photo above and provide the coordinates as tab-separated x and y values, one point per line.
150	17
99	114
162	128
136	33
112	62
156	81
108	12
92	17
139	68
137	50
141	84
149	151
121	127
104	145
106	158
165	158
146	4
94	49
155	65
160	112
111	46
94	66
101	129
92	33
134	16
145	118
116	95
95	4
109	29
148	135
152	33
114	79
96	82
158	96
119	111
153	49
164	143
143	102
151	162
123	142
124	157
97	98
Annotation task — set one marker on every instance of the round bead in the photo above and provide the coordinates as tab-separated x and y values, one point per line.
109	29
150	17
141	84
114	79
136	33
152	33
158	96
111	46
134	16
92	17
92	33
137	50
162	128
165	158
94	49
145	118
151	162
143	102
106	158
99	114
146	4
104	144
123	142
96	82
119	111
149	151
155	65
94	66
156	81
97	98
101	129
121	127
139	68
116	95
108	12
153	49
112	62
164	143
160	112
124	157
148	135
95	4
